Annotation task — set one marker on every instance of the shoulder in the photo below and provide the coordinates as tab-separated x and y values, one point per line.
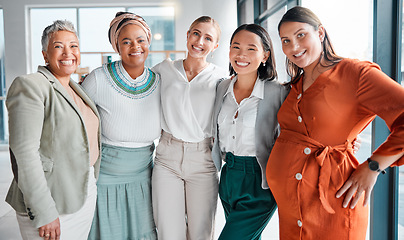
30	81
219	71
275	85
354	66
274	91
163	65
224	84
94	74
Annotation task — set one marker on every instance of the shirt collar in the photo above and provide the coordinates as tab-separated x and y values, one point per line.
258	90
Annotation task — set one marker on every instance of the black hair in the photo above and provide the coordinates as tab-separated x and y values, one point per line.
267	71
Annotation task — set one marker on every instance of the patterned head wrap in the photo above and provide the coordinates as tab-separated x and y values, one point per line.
121	20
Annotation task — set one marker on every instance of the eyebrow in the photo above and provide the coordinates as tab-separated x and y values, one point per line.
251	45
298	30
294	32
197	30
62	42
136	38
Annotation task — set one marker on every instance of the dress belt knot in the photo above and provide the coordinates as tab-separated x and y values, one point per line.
329	158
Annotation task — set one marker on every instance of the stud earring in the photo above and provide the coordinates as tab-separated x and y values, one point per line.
263	64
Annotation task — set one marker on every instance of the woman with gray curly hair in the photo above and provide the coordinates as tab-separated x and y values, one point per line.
54	143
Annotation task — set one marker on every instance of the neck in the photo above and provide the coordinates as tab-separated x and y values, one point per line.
134	72
246	82
64	81
194	64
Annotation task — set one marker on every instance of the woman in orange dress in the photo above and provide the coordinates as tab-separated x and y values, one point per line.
321	190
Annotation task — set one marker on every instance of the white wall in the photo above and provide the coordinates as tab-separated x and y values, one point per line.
16	27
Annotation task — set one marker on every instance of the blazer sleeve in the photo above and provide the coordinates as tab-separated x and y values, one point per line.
26	103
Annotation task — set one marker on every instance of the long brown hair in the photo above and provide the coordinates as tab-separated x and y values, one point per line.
305	15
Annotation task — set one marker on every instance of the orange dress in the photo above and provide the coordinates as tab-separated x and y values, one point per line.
312	157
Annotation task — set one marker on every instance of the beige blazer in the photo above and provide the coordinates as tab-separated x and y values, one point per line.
49	146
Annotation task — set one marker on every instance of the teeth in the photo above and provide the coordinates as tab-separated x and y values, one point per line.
69	62
198	48
299	54
243	64
135	54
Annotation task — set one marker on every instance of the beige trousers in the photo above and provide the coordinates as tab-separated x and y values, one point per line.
72	226
184	189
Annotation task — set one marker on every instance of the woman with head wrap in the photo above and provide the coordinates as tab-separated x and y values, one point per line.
127	96
54	144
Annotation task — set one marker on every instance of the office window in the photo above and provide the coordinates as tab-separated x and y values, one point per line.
92	26
271	25
245	11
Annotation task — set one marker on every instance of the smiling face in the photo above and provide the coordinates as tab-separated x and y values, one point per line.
301	43
133	46
247	53
63	54
201	40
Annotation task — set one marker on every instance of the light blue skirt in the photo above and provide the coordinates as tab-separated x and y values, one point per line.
124	206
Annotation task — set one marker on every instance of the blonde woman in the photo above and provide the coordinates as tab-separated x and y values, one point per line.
185	179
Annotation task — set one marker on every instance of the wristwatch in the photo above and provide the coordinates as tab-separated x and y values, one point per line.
374	166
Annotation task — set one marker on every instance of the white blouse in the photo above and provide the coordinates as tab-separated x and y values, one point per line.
187	106
237	134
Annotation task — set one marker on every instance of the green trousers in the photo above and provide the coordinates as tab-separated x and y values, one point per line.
248	208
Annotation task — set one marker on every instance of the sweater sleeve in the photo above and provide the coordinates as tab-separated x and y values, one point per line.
384	97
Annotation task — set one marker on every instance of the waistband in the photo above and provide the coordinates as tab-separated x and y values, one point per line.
128	149
207	142
242	163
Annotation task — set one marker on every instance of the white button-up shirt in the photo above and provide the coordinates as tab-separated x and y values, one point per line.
188	105
237	121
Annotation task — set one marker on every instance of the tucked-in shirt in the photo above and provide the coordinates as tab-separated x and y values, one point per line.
129	108
187	105
312	157
91	122
237	121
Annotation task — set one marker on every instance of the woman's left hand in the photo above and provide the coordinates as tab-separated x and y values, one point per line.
362	179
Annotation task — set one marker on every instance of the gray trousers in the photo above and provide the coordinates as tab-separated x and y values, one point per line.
184	189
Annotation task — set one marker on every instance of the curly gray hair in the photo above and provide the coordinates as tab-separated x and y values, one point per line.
58	25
